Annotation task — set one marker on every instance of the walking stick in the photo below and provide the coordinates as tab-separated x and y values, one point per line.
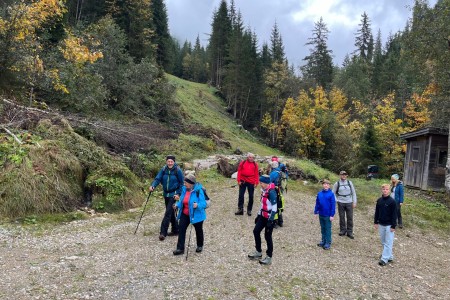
142	212
189	242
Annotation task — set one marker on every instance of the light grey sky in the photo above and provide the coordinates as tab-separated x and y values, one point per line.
295	19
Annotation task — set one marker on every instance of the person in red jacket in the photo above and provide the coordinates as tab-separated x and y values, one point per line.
247	178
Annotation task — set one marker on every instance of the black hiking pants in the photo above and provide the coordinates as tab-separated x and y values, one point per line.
251	190
169	217
345	218
184	224
261	224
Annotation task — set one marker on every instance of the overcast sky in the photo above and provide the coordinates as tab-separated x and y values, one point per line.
295	19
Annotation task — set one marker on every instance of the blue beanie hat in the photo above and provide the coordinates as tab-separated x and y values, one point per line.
395	176
264	179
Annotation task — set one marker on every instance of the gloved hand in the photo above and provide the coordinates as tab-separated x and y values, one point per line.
270	224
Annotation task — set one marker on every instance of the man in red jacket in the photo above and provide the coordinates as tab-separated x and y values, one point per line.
247	178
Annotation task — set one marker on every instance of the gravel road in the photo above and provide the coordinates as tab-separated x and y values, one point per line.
100	258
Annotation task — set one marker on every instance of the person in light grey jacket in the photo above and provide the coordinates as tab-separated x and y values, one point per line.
346	201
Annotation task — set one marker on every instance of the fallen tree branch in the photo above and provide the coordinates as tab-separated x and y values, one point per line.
13	135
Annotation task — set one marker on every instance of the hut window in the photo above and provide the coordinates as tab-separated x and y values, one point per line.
415	154
442	157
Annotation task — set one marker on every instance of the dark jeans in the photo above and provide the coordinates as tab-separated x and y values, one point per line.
251	190
399	214
169	217
259	226
184	223
345	209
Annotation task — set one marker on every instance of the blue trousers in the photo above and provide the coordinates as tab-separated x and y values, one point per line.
325	229
387	241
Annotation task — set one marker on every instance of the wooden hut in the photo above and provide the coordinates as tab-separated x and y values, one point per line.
426	158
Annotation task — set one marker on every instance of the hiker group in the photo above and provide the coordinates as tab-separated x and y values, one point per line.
387	212
186	202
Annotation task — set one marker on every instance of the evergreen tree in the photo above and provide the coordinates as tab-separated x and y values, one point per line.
276	45
364	39
319	64
161	37
218	44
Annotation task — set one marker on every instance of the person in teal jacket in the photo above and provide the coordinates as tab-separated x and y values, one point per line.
397	193
191	210
171	179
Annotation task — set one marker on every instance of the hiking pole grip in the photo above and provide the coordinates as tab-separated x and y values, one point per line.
143	210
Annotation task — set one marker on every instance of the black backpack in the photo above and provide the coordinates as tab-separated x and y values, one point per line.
208	201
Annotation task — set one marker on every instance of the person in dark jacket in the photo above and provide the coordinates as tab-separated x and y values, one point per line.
397	193
247	178
265	220
191	210
171	178
325	208
385	220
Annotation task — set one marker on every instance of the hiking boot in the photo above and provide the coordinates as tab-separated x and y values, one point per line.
255	255
350	236
400	226
390	260
266	261
382	263
326	246
162	237
249	213
321	244
178	252
240	212
199	249
342	233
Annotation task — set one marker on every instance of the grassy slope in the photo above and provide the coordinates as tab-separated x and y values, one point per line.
203	107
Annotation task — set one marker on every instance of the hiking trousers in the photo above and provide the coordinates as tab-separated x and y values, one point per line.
184	224
345	211
169	217
399	214
259	226
251	190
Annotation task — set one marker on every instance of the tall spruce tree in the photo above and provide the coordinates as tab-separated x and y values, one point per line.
218	44
319	64
364	39
161	37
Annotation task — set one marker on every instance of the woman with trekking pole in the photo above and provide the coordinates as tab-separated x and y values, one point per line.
191	210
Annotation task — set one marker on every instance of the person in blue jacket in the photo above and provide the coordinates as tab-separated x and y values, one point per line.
397	193
325	208
191	210
171	178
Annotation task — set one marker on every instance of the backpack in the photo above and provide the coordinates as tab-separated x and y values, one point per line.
208	201
350	185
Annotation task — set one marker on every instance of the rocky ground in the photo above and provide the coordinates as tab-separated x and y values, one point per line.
101	258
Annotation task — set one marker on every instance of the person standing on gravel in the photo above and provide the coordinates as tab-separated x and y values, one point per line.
265	220
397	193
247	178
171	178
346	201
191	210
385	220
325	208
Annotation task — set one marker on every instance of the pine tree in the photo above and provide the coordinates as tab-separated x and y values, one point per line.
161	38
276	45
319	66
364	39
218	44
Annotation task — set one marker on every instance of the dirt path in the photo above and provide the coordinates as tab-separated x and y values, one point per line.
100	258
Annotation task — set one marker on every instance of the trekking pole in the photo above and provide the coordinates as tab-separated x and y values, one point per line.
142	212
189	242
